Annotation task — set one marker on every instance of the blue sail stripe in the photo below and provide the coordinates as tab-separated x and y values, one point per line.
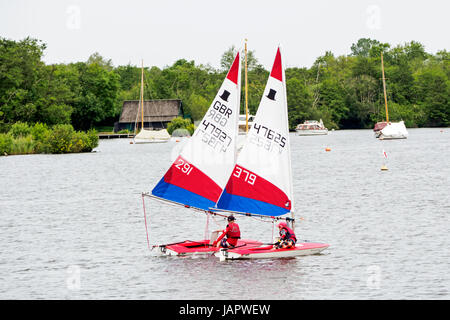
173	193
247	205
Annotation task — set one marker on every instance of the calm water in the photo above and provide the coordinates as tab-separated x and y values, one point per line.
72	226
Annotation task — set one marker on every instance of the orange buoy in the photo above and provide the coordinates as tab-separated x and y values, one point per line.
327	149
131	142
177	140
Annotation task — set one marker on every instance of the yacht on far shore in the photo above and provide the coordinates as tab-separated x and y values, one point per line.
311	128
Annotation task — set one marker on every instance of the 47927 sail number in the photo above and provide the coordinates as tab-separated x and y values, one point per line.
212	127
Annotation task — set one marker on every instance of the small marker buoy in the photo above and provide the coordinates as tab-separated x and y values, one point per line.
177	140
131	142
384	168
327	149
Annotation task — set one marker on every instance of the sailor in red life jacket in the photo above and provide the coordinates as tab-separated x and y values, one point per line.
287	237
232	234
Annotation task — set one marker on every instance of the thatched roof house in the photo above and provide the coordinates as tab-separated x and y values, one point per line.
157	114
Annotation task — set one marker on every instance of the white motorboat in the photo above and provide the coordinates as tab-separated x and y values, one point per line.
311	128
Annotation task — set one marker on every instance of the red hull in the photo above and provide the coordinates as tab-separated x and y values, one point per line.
270	249
200	247
301	249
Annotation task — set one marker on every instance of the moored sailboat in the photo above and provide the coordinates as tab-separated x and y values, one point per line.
387	130
147	136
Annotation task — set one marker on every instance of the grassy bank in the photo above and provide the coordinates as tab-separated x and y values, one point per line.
39	138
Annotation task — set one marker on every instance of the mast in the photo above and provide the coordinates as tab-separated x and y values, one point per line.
142	95
246	90
384	88
283	64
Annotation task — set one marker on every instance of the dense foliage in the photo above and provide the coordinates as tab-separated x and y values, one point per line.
345	91
39	138
180	123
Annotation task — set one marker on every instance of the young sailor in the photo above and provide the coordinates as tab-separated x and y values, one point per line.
232	234
287	237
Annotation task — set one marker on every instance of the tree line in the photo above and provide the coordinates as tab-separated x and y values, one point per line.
345	91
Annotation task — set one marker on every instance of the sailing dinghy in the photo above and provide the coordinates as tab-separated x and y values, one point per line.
198	176
261	181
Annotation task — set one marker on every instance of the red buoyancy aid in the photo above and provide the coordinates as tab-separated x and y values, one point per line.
232	232
290	234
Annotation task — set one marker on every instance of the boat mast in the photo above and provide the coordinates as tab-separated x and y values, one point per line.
246	90
384	88
283	65
142	95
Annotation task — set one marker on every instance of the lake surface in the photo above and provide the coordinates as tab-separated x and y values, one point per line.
72	226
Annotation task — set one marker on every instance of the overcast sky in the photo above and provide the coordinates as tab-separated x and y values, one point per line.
160	32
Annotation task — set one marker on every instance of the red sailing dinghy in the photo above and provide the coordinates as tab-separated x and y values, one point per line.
261	182
209	176
197	177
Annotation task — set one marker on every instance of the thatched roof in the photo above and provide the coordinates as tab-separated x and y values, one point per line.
154	110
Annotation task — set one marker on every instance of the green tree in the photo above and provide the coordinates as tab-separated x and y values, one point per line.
433	95
299	101
20	69
229	55
99	89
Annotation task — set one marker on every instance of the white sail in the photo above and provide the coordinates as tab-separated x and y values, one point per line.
200	172
261	181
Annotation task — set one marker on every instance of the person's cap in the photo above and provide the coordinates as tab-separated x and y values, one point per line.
231	218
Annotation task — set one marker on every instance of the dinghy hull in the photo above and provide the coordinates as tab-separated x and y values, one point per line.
301	249
189	247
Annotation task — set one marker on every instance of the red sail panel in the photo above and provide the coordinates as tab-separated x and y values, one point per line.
185	175
245	183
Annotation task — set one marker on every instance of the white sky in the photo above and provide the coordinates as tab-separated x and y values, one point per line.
162	31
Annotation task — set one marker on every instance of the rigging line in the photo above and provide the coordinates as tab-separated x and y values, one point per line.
250	214
207	227
178	204
145	219
214	219
273	228
263	219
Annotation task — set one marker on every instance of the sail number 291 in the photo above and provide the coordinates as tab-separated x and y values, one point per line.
244	174
185	167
